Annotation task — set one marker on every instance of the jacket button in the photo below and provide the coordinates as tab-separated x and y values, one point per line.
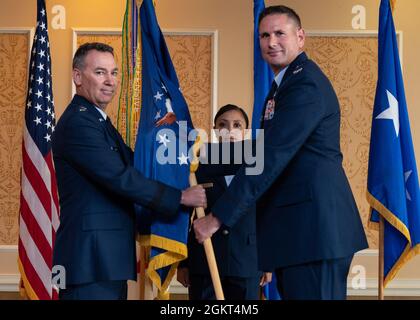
225	232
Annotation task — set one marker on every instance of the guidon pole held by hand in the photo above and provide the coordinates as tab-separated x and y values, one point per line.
208	246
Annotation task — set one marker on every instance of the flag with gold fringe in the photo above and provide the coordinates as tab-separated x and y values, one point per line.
39	208
129	103
393	187
161	150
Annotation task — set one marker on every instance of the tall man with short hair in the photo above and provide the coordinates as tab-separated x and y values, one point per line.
308	224
98	186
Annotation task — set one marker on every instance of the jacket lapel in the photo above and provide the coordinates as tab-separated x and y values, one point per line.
221	182
119	141
112	133
294	68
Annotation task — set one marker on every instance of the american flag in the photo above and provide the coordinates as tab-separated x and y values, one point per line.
39	210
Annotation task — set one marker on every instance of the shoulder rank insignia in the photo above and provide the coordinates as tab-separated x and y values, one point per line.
297	70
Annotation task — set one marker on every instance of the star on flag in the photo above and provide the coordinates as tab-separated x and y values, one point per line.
392	112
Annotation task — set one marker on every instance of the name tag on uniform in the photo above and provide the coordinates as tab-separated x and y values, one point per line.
269	109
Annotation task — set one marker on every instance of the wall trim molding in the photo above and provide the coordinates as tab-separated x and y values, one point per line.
367	253
24	30
30	31
8	249
396	288
9	282
358	33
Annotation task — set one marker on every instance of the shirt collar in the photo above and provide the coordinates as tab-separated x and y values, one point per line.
103	114
279	77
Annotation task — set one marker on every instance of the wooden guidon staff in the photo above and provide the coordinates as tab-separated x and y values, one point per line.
208	247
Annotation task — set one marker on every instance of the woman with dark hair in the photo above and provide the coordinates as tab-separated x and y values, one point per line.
235	249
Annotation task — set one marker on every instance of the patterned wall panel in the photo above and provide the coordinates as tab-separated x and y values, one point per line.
351	65
14	48
192	58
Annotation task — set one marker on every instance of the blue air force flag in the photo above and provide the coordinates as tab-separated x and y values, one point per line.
161	151
393	187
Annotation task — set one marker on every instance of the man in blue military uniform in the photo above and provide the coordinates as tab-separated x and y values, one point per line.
98	186
308	225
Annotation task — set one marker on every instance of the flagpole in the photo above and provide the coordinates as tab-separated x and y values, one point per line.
381	259
208	247
381	289
142	275
145	284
